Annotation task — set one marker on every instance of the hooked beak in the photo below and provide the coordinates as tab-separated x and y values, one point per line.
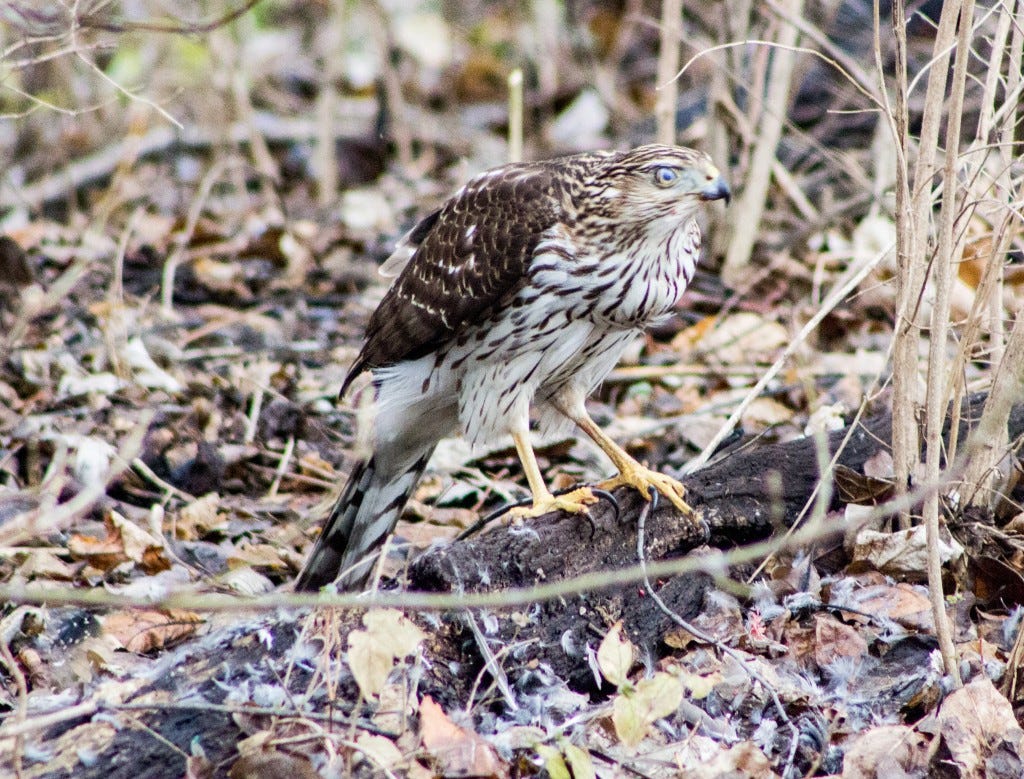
717	190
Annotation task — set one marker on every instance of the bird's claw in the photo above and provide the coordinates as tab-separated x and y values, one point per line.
576	502
644	479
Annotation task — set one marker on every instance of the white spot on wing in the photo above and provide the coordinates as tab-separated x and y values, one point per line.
399	258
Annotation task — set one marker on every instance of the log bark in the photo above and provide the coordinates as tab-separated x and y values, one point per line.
742	497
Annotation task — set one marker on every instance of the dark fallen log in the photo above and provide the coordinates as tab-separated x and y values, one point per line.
743	497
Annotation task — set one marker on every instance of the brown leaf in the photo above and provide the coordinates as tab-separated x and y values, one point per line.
857	488
102	553
833	640
141	547
976	724
886	752
902	602
199	518
258	556
271	764
389	636
996	581
44	564
744	337
456	751
902	554
379	752
148	630
764	413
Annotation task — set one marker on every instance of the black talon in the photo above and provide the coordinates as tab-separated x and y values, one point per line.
610	498
484	521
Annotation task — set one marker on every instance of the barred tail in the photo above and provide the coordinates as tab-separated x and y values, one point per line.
364	515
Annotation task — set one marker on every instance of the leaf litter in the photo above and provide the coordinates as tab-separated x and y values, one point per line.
268	297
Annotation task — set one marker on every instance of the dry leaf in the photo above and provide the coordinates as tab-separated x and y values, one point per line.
902	554
615	656
140	546
257	556
744	337
456	751
766	412
860	489
833	639
271	764
101	553
905	603
395	710
379	751
246	581
699	687
685	340
389	636
554	762
199	518
147	630
44	564
884	752
145	370
976	724
92	654
634	711
579	761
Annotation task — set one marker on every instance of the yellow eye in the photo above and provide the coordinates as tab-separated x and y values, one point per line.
665	177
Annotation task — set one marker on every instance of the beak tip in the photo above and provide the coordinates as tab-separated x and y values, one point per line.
717	190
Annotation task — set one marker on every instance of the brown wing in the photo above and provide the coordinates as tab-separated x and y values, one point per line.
469	255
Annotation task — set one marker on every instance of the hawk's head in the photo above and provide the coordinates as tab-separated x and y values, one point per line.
654	184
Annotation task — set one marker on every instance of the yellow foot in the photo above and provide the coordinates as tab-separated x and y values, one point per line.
643	479
575	502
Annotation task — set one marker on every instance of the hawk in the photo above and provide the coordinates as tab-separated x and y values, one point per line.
519	294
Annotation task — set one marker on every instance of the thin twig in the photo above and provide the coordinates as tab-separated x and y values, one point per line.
948	255
666	104
21	713
515	115
181	28
707	638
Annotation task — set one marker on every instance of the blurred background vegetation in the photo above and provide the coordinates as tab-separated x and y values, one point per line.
424	84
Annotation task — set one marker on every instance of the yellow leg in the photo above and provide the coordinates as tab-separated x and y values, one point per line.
631	473
544	502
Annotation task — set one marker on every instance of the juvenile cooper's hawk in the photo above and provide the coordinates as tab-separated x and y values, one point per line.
520	292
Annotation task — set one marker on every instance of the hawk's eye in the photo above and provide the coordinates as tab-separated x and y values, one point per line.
665	177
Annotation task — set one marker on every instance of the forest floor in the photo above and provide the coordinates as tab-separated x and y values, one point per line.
175	328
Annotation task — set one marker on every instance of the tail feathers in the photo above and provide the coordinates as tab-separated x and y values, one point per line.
363	516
